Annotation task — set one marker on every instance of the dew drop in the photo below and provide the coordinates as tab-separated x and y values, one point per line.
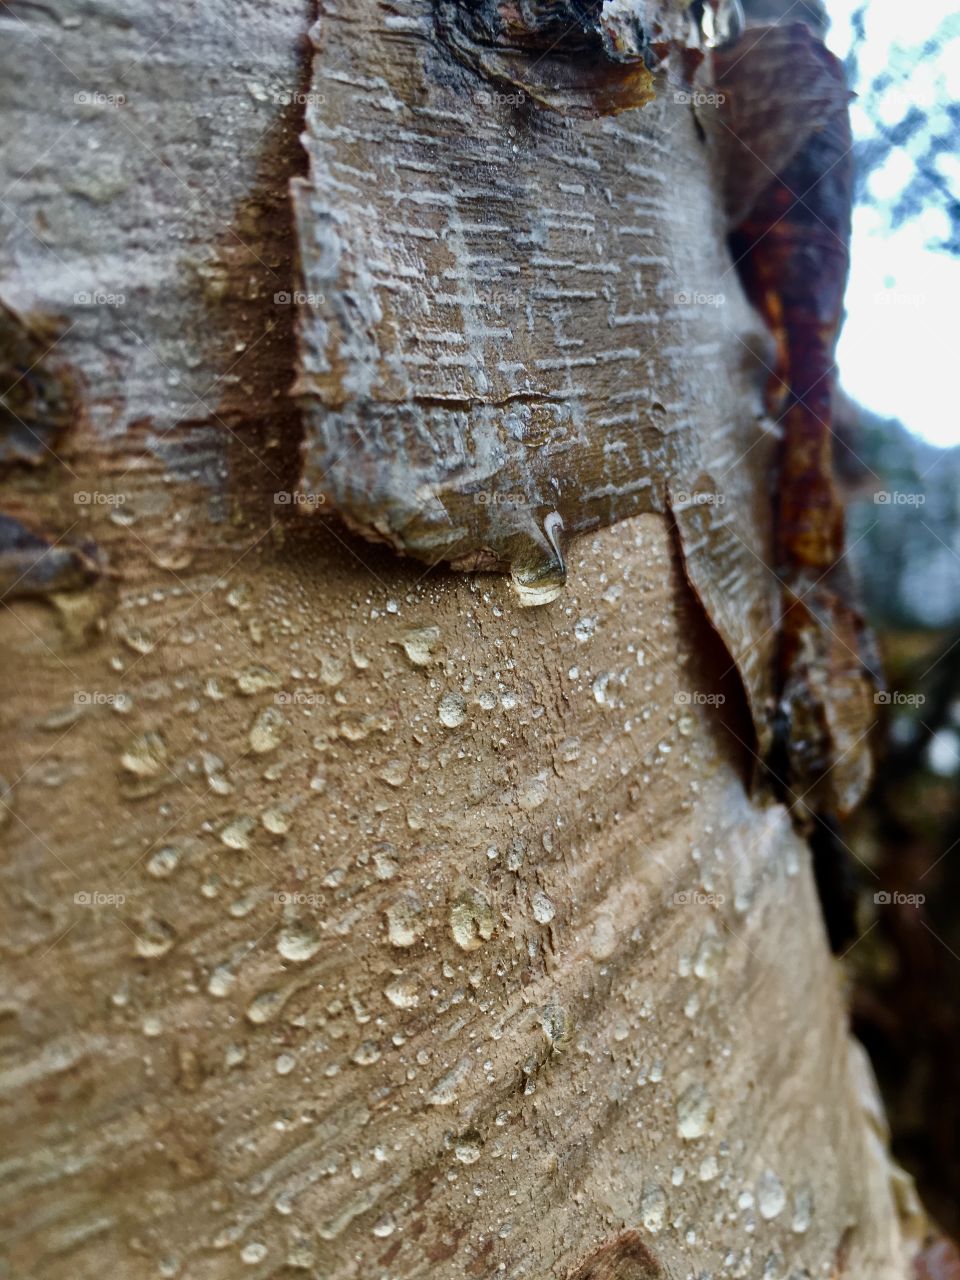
557	1025
653	1208
603	939
276	820
298	945
265	1007
802	1210
221	982
771	1198
164	862
236	834
402	993
709	958
418	644
542	906
445	1091
154	938
468	1147
403	920
471	919
394	772
540	577
257	679
452	710
367	1053
585	628
267	730
695	1112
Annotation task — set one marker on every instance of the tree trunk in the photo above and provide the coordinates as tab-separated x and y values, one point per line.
358	920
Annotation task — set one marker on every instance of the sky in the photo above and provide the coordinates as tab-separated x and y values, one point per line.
899	347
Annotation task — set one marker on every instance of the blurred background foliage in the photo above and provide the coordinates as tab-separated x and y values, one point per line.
903	846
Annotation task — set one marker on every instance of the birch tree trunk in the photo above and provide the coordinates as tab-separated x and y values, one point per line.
358	921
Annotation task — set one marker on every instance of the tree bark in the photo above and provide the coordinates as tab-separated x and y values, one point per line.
358	921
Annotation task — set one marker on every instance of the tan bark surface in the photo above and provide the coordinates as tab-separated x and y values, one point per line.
435	936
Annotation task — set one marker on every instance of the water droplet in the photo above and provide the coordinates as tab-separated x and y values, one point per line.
253	1253
468	1147
298	945
557	1025
236	834
533	792
471	919
452	710
418	644
585	628
653	1208
384	863
542	906
154	938
257	679
276	820
164	862
599	687
403	920
709	958
331	671
394	772
367	1053
267	730
802	1210
445	1091
402	993
213	768
266	1006
539	575
695	1112
771	1198
284	1064
221	981
145	761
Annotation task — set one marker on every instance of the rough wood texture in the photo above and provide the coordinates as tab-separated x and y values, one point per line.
511	316
400	984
